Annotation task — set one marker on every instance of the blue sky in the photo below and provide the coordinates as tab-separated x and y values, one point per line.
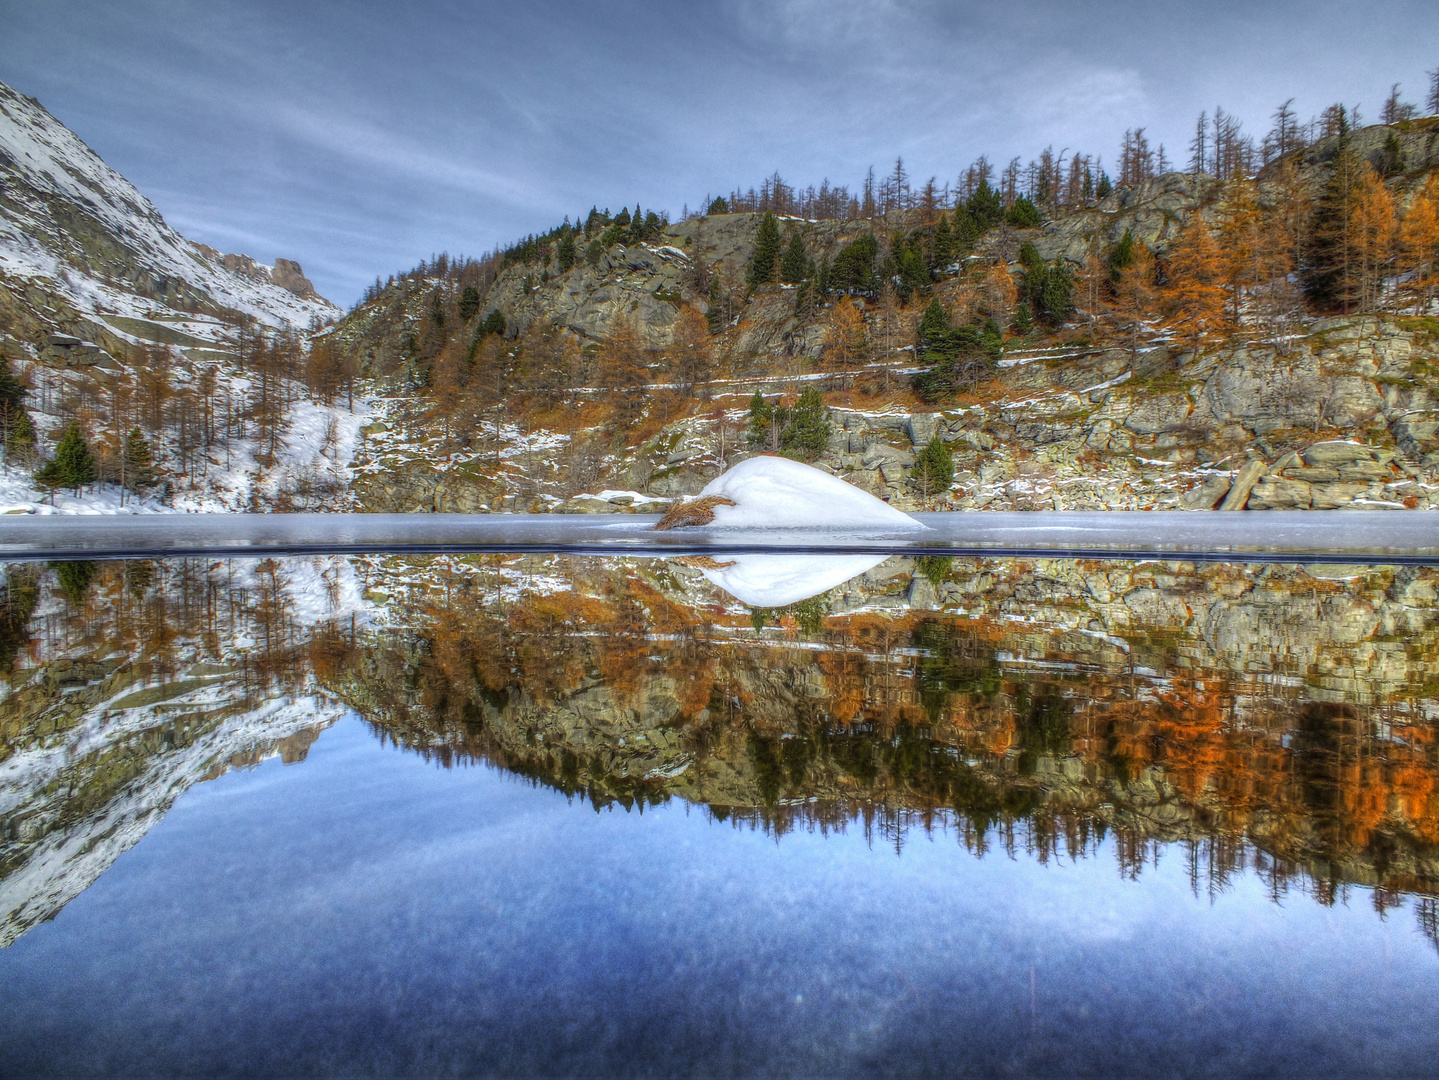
359	138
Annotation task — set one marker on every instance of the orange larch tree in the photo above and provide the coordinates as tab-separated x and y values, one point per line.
1419	245
1195	291
1372	226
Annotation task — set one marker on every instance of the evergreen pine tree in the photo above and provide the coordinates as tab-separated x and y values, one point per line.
933	329
1105	187
1058	294
943	245
1023	214
986	207
1329	264
761	414
794	267
77	460
1023	322
766	252
12	390
20	440
714	314
564	253
806	434
469	305
138	463
934	467
1122	257
719	206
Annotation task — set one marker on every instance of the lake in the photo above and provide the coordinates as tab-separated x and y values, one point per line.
548	813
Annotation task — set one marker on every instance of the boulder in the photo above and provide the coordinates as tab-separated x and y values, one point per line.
1206	495
1336	453
1244	481
1276	493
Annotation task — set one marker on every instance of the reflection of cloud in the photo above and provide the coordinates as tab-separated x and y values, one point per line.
772	581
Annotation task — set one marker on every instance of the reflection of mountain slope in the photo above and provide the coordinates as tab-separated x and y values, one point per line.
136	682
74	805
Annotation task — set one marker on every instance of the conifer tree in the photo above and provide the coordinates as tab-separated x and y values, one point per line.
845	342
469	305
20	440
1373	230
794	267
1134	293
943	245
1023	214
807	433
1330	262
715	313
985	207
762	430
1105	187
564	253
1122	257
934	467
1194	291
719	206
1057	297
73	465
1419	244
762	264
137	463
934	328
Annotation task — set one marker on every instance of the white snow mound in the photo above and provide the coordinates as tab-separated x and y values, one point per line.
775	581
777	493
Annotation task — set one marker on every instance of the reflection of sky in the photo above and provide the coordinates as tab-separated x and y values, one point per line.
369	912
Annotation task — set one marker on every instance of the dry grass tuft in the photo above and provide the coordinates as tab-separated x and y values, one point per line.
703	562
695	512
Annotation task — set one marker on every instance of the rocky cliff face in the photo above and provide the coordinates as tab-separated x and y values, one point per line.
1346	415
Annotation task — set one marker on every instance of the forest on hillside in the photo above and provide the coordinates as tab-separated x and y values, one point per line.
912	292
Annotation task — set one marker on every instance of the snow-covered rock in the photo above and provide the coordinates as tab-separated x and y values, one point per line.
777	493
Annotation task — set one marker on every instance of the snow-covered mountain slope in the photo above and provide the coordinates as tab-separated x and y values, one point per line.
71	222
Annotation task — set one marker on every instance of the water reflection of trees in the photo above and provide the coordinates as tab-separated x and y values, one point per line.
626	684
1010	738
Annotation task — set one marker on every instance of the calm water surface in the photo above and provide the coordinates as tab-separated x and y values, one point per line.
561	816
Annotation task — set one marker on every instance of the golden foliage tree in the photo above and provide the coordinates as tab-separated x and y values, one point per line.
1194	295
1372	227
1419	245
845	341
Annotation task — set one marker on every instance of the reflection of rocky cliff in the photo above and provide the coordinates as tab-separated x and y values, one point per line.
1049	698
122	696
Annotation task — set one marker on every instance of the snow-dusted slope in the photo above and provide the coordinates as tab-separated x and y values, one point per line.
68	218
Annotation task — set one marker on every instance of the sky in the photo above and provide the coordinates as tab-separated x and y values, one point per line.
358	138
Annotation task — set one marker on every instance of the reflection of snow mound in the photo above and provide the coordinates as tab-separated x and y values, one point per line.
772	581
776	493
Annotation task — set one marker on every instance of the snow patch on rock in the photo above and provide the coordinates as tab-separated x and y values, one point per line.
777	493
